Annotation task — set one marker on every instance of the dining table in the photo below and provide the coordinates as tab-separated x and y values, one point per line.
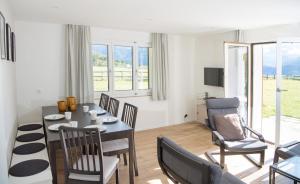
116	130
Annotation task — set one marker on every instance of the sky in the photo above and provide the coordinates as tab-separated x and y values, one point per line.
290	59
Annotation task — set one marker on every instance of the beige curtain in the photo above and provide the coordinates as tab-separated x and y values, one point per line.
79	66
159	66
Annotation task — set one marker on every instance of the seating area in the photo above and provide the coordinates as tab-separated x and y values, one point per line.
30	161
149	92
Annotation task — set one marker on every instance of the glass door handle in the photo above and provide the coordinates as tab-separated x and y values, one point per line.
280	90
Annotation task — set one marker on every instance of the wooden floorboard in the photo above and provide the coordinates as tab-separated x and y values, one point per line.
195	138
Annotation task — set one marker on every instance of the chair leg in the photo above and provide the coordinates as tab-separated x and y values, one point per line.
276	158
117	176
255	162
262	158
125	158
136	171
210	157
222	157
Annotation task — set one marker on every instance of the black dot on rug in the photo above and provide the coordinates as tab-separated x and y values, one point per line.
30	127
29	148
29	137
28	168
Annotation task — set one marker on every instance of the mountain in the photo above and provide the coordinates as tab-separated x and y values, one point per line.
122	53
291	66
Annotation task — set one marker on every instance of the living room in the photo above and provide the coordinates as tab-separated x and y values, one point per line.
169	61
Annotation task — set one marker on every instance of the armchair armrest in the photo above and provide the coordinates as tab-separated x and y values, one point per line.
288	144
218	136
259	135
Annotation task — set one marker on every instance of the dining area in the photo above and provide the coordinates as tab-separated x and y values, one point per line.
92	138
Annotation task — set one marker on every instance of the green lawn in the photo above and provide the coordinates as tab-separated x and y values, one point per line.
290	99
122	78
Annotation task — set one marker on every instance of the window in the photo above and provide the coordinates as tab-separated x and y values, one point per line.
121	69
100	68
122	66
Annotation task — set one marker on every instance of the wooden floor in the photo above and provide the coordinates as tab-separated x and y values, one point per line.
193	137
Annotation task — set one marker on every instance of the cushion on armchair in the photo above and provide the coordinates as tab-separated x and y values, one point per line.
229	126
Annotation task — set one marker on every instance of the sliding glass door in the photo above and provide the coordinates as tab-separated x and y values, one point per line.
288	90
276	90
237	75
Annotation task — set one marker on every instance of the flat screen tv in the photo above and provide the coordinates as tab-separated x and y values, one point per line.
214	77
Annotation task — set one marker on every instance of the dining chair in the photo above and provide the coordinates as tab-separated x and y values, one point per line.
184	167
86	168
104	99
113	107
121	146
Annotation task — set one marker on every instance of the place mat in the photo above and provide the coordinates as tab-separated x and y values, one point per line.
29	137
29	148
28	168
30	127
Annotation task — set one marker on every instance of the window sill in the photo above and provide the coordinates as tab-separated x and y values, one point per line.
123	94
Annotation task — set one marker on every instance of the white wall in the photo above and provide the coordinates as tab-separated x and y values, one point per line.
210	53
182	96
7	103
271	33
40	68
40	73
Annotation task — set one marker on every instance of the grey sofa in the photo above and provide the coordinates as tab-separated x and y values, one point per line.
183	167
249	145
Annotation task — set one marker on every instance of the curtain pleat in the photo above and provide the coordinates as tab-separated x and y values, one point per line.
79	66
159	66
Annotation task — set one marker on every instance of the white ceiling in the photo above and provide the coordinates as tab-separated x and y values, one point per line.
171	16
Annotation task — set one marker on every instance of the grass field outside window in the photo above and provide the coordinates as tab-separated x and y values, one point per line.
290	99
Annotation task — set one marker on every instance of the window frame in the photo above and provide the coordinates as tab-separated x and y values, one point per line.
149	59
125	93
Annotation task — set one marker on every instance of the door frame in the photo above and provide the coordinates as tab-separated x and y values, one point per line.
249	98
252	62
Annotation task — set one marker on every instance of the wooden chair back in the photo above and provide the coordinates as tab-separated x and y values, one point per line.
74	141
113	106
104	99
129	114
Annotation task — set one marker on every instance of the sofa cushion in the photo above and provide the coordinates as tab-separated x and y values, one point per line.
229	126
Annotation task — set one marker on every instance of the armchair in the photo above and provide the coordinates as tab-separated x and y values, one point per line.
287	151
246	146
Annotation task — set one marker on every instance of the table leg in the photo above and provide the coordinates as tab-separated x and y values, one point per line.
52	159
273	176
136	171
131	158
270	176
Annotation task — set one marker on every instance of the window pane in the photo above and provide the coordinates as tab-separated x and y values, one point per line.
143	68
122	67
100	68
